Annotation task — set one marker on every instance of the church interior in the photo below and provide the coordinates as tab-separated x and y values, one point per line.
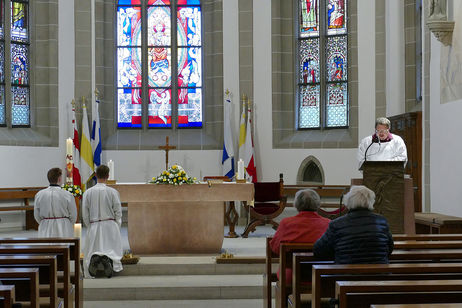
289	87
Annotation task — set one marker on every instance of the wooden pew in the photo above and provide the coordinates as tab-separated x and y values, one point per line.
24	292
418	306
269	276
361	294
22	194
427	237
77	277
325	276
303	261
428	245
7	296
47	265
63	253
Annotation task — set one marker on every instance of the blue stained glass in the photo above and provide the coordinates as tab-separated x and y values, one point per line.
19	24
189	26
189	2
309	18
160	108
190	107
309	60
2	105
129	67
19	64
129	108
336	21
129	2
129	26
337	58
189	67
309	107
2	62
337	105
20	106
159	30
159	69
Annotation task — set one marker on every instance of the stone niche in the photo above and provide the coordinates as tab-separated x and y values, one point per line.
310	172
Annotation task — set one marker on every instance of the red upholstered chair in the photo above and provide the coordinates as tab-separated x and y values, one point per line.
269	203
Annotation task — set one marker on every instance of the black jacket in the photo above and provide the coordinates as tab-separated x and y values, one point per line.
360	236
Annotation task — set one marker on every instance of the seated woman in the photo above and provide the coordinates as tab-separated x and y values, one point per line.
306	227
361	236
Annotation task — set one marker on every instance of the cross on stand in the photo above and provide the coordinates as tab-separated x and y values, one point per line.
166	148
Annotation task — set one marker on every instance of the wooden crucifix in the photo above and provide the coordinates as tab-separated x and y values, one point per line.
166	148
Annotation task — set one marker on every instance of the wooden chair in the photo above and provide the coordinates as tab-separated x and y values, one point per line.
269	204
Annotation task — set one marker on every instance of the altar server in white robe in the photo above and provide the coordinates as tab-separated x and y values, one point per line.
102	215
383	145
54	208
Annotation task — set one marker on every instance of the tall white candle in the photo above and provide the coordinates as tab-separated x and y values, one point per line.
69	146
78	230
110	164
240	169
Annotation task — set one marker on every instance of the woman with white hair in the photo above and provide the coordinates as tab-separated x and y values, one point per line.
382	145
361	236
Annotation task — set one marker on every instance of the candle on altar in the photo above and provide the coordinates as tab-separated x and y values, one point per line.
240	169
78	230
69	146
110	164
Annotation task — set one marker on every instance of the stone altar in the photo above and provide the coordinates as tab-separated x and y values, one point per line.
179	219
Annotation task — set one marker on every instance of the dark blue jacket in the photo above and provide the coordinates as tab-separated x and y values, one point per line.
361	236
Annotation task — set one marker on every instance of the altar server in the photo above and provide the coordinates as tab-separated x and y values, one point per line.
54	208
102	215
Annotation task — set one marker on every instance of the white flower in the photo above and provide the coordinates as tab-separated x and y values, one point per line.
69	189
171	176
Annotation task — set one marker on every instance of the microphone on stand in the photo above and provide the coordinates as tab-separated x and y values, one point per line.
375	139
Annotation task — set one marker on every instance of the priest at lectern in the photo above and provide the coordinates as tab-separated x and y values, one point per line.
382	145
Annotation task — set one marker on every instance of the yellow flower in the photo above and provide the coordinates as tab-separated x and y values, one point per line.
174	166
153	179
164	180
194	179
168	173
174	180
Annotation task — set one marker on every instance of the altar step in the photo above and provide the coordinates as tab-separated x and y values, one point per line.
240	303
176	279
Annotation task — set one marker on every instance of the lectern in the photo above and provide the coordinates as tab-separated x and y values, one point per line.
386	179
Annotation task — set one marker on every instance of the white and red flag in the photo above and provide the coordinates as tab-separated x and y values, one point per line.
76	155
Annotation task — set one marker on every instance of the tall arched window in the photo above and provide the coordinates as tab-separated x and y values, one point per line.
322	66
151	48
16	40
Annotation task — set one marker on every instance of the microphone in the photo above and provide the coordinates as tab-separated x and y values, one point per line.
375	139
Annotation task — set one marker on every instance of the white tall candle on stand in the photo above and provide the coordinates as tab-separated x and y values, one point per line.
110	164
240	169
69	161
69	146
78	230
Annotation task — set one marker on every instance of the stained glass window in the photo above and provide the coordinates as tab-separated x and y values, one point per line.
145	71
19	53
322	64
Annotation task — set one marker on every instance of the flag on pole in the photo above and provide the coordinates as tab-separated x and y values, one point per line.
242	129
228	149
76	151
96	134
86	154
249	152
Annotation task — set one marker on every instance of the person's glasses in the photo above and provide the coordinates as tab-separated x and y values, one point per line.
381	131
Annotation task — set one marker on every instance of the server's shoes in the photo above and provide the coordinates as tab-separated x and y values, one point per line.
107	263
93	267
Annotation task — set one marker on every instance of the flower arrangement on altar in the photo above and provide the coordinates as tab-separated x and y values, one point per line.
175	175
73	189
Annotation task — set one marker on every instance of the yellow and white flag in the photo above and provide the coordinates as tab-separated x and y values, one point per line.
242	132
86	153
